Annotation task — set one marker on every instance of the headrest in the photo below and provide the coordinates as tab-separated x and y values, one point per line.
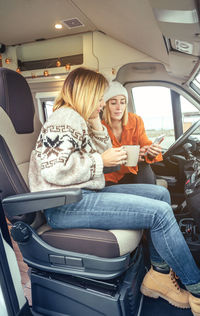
16	100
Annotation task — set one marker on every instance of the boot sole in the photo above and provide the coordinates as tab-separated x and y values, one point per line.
154	294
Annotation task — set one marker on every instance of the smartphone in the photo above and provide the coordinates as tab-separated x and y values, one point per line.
159	139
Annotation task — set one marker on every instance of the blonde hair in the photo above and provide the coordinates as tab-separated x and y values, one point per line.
82	91
106	115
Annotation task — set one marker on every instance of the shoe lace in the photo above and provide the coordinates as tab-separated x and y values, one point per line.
174	277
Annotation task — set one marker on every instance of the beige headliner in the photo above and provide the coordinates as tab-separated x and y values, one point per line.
130	21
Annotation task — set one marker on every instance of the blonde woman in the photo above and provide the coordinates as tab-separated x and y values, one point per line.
128	129
71	151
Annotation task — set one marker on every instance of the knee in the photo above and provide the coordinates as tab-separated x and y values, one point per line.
165	215
164	194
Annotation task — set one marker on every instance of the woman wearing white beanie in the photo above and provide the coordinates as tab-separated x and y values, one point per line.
128	129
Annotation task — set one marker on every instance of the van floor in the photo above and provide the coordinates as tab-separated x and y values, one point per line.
160	307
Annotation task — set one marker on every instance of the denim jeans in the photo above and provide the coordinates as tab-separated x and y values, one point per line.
121	207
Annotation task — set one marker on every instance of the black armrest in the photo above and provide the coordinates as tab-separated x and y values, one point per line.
111	169
31	202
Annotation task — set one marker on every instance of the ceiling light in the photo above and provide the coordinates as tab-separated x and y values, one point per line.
177	16
58	26
57	77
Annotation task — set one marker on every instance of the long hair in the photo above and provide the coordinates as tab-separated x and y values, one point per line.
106	115
82	91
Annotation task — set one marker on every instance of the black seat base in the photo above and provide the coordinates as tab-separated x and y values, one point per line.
54	294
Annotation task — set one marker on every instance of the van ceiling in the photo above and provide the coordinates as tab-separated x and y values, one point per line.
132	22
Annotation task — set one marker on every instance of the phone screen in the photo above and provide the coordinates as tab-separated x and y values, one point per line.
159	139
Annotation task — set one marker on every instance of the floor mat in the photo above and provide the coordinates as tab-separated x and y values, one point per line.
160	307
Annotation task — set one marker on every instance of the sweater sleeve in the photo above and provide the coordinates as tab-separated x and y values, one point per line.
101	139
67	155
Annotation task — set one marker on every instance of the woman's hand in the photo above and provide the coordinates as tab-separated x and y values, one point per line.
143	151
154	150
114	156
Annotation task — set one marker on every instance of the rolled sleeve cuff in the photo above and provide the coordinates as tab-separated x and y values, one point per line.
103	133
99	165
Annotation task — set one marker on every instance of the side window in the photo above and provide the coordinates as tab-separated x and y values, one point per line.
45	102
153	104
47	108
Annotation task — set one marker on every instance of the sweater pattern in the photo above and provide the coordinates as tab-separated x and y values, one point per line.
68	154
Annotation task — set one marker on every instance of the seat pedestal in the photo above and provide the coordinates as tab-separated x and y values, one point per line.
61	295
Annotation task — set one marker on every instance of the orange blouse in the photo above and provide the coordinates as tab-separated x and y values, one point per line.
133	133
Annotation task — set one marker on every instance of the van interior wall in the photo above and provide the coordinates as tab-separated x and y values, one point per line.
100	52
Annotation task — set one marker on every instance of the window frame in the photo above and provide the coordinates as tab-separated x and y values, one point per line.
42	97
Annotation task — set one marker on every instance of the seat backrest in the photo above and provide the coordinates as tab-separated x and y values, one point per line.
19	129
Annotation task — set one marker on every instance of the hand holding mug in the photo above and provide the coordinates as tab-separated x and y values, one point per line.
114	156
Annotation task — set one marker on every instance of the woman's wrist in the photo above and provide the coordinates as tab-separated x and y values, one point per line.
95	123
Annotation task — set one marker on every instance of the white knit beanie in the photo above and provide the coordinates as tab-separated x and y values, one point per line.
115	88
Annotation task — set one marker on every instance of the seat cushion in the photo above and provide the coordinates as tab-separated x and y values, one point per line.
162	182
101	243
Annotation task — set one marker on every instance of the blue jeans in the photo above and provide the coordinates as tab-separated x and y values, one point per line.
121	207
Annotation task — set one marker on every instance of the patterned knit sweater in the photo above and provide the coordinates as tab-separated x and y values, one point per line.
67	153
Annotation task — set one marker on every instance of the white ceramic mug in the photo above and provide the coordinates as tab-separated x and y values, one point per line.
133	155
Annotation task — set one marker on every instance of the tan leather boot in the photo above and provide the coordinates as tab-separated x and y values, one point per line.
156	284
194	304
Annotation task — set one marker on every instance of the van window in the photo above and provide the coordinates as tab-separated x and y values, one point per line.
47	108
45	102
153	104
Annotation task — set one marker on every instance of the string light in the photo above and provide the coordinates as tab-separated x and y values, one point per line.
46	73
8	60
33	75
67	66
113	71
18	70
58	63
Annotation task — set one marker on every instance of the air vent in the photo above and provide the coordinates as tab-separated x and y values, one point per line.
72	23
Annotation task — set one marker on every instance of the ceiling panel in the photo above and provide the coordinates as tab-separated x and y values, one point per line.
130	21
24	21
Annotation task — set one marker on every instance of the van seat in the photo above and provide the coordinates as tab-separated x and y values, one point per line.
107	244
